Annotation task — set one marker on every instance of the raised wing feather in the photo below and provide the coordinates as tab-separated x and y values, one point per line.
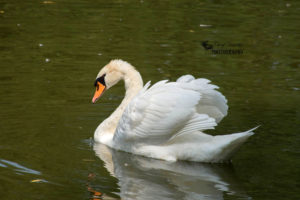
166	110
212	103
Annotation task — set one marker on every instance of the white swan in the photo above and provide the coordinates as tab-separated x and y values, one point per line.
165	121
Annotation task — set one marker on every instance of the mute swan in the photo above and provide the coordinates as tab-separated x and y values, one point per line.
165	121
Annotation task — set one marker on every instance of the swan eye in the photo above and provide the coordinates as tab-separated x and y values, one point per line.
100	80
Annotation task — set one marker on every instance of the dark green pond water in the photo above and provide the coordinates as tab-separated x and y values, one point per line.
51	52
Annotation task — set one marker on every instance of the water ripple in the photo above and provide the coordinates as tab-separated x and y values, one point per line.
18	167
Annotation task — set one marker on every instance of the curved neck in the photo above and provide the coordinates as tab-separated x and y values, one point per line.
133	84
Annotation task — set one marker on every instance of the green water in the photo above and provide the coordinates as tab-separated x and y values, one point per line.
51	52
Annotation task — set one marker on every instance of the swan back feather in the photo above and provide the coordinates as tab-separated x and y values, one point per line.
162	112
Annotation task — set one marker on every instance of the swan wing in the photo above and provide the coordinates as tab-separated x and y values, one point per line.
212	103
168	109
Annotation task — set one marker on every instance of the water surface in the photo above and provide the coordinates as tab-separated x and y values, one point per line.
50	54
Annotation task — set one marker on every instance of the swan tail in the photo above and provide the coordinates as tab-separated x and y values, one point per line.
229	144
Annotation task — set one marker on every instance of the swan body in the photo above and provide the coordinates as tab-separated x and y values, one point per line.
165	121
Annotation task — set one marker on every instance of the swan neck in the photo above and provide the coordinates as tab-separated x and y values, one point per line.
133	84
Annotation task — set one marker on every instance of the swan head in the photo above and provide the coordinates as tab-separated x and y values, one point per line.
110	75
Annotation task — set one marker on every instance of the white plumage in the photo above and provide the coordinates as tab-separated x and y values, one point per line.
166	121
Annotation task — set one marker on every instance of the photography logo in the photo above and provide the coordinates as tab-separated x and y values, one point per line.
216	48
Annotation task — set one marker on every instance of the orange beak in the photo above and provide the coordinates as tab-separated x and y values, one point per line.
99	91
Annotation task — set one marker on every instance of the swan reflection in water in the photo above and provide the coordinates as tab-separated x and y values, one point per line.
145	178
